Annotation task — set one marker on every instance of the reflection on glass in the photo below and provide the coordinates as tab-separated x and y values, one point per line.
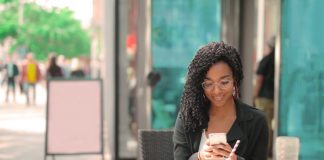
127	58
179	28
301	111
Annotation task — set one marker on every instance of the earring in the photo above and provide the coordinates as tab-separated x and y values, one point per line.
235	91
205	99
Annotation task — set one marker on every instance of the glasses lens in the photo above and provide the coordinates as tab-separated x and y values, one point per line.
223	84
206	85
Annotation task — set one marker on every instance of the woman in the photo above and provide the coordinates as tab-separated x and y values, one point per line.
210	104
54	71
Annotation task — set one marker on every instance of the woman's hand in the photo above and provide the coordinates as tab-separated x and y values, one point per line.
216	152
223	151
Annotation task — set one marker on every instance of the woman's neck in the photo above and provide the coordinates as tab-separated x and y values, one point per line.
221	118
224	111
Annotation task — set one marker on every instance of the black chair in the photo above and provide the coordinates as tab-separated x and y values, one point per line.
155	145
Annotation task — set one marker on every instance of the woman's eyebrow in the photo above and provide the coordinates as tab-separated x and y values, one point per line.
226	76
223	77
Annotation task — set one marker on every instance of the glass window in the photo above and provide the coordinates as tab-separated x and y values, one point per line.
301	111
179	28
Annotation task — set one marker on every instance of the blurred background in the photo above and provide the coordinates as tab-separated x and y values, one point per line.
141	50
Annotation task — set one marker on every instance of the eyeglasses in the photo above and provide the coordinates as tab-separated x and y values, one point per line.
223	84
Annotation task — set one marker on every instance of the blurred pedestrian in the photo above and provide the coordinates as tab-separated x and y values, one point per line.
53	70
31	75
1	73
264	88
11	73
63	63
76	69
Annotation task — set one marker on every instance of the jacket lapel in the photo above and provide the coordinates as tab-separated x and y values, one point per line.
242	116
235	133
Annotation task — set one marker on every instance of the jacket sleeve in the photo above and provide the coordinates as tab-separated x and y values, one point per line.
181	148
262	138
38	73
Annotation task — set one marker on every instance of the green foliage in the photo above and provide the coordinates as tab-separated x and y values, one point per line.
7	1
44	31
8	23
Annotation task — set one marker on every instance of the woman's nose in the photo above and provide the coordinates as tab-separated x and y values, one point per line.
216	89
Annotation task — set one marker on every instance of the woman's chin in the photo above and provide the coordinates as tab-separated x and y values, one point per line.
218	104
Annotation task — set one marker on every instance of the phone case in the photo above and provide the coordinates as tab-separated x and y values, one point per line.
217	138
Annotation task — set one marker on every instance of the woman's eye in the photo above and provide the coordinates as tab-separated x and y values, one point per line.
208	84
224	82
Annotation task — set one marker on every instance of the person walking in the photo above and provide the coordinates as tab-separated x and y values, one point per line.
53	70
11	73
264	88
31	75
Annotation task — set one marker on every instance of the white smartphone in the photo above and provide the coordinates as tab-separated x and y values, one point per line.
217	138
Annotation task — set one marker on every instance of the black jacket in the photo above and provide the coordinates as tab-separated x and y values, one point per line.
250	127
15	71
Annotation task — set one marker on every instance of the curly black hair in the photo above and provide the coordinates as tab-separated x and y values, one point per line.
194	108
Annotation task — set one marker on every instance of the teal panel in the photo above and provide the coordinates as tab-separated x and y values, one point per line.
179	28
301	105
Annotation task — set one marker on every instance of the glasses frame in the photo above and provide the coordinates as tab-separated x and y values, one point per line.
218	84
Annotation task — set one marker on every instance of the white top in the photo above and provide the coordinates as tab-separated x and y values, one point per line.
202	140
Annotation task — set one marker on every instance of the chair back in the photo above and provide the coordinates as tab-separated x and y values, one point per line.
155	145
287	148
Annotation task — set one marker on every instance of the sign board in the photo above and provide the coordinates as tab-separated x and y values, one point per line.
74	117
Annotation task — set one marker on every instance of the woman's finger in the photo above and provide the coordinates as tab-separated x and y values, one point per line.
233	157
220	152
207	148
225	147
206	155
207	142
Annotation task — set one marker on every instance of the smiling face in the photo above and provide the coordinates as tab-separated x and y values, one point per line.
218	84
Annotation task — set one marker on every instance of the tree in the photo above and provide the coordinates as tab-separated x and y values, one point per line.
44	30
8	19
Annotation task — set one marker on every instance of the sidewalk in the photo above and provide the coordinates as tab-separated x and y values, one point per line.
22	130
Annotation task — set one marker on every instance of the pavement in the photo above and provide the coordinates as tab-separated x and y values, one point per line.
22	129
21	132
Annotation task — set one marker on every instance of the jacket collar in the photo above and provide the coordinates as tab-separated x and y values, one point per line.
242	115
242	111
